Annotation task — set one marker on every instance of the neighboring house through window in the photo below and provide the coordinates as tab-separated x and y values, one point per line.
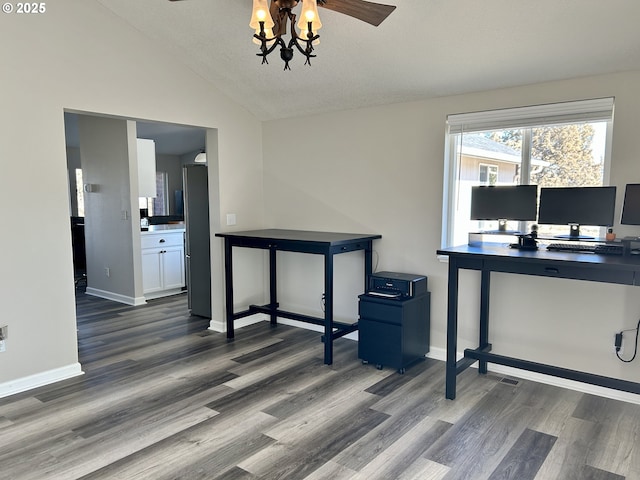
547	145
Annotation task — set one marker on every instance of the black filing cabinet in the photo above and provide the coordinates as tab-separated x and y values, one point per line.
393	332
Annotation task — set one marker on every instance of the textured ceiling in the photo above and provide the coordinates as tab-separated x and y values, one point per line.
425	49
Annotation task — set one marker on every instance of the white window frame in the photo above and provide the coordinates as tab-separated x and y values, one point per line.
593	110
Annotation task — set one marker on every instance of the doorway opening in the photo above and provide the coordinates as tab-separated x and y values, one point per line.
97	194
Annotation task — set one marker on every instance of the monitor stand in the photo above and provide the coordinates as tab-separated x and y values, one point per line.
574	233
502	232
502	229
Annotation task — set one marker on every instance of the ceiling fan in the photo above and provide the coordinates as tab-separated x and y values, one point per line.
270	23
372	13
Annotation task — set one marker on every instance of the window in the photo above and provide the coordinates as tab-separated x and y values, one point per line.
158	205
488	174
79	192
547	145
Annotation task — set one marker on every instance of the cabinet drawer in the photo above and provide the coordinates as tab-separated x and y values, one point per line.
383	312
560	270
161	240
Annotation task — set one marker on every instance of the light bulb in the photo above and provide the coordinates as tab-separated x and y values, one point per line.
309	14
260	13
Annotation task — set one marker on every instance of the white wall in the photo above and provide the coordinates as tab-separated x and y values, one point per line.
79	56
380	170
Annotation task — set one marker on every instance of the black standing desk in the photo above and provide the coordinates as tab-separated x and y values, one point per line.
623	270
327	244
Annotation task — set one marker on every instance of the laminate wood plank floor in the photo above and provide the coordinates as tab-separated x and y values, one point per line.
163	397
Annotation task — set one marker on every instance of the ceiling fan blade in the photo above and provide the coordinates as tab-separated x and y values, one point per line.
369	12
372	13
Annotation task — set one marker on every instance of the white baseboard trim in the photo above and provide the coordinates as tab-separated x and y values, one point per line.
164	293
116	297
221	325
441	354
39	379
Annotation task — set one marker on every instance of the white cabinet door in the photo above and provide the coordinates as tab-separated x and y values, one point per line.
163	268
173	267
151	270
146	168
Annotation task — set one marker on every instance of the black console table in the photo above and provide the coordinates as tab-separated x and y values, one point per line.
623	270
327	244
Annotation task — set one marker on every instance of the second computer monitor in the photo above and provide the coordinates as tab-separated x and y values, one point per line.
503	203
631	205
575	206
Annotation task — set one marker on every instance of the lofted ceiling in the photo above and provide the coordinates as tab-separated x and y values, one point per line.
424	49
170	139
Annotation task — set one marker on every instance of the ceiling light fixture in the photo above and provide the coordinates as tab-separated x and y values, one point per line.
269	23
201	157
270	26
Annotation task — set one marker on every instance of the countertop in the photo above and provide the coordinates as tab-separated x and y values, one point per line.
171	227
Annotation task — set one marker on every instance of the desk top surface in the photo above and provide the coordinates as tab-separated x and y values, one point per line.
542	255
332	238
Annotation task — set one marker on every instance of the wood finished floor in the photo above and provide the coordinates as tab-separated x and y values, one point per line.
164	398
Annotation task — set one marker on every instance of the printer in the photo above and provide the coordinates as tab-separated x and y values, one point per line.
396	285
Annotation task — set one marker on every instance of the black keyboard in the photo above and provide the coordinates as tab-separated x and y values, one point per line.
584	248
608	249
571	247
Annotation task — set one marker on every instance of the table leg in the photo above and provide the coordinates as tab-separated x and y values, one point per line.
273	286
452	329
328	309
228	282
485	287
368	264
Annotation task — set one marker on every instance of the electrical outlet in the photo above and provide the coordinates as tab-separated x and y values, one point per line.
107	271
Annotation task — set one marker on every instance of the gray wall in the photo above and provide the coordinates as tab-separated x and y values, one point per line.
108	161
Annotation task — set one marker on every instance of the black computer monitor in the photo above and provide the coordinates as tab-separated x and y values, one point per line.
503	203
631	205
575	206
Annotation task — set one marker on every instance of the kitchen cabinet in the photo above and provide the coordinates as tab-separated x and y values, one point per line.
163	270
146	168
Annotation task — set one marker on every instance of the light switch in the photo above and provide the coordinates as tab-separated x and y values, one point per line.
231	219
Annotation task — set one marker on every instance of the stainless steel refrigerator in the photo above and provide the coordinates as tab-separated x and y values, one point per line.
197	244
